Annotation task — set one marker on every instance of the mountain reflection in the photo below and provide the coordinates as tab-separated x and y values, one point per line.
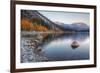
74	37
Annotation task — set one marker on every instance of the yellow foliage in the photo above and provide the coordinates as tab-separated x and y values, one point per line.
39	28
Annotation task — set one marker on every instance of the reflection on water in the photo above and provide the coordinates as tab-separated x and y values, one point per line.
42	47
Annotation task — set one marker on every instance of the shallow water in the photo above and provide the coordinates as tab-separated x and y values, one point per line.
55	47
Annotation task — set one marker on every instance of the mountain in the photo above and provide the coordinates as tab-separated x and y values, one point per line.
39	19
34	20
74	26
80	26
64	26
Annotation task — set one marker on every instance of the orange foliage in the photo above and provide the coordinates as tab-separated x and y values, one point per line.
26	24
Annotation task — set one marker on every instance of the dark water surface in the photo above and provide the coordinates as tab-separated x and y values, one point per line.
55	47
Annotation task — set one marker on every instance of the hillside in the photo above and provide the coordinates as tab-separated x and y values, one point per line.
32	20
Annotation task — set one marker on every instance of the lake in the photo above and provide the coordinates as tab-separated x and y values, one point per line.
45	47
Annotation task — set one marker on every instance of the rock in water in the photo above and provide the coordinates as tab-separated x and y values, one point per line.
75	44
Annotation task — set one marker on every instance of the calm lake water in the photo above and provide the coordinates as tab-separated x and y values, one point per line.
55	47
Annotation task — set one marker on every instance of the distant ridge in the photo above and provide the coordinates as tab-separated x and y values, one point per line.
79	26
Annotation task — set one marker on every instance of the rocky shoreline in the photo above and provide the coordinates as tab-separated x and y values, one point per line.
30	49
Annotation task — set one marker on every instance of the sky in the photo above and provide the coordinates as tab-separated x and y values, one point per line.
67	17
